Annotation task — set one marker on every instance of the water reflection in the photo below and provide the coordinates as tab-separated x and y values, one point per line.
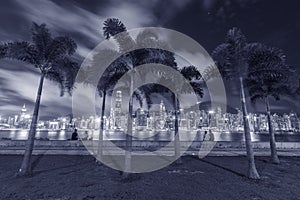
143	135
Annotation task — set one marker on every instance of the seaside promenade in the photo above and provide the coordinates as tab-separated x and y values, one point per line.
68	147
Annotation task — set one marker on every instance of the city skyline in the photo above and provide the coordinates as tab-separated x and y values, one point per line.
158	118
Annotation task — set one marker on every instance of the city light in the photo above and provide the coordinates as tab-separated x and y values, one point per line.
160	120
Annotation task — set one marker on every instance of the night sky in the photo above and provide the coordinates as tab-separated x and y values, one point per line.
275	23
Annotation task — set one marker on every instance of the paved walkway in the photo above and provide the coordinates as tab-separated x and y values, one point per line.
169	151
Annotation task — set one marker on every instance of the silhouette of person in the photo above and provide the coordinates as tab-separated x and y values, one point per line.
204	136
86	136
211	136
208	137
74	135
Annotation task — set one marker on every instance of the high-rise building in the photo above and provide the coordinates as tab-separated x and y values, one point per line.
23	120
118	109
191	120
295	122
23	113
141	117
162	115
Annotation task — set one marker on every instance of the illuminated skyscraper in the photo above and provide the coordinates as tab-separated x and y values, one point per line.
23	120
118	109
162	115
23	113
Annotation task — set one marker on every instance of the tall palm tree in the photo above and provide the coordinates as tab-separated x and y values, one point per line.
194	78
116	29
231	59
51	55
105	88
268	76
106	83
191	85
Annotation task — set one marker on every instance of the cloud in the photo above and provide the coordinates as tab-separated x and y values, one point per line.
20	87
69	20
83	22
20	81
131	14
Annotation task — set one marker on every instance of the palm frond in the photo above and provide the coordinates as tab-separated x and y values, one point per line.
67	70
191	73
147	38
210	72
268	73
113	27
230	56
22	51
139	97
41	38
60	47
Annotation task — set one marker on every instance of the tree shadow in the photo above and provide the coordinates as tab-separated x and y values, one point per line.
219	166
37	160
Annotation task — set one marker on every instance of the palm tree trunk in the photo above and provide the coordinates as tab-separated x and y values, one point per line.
128	149
252	172
176	133
26	163
100	143
274	156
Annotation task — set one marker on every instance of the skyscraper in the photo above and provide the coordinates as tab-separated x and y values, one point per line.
23	113
162	115
118	109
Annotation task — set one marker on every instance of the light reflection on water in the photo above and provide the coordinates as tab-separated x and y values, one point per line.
145	135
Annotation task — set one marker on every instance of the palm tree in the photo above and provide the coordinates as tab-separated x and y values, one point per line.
191	85
52	57
105	87
193	76
231	59
116	29
113	27
106	83
268	76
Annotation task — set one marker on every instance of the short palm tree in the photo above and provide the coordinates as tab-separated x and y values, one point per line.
268	76
51	55
231	59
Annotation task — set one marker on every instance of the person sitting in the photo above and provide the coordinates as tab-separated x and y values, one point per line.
74	135
208	136
204	136
211	136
